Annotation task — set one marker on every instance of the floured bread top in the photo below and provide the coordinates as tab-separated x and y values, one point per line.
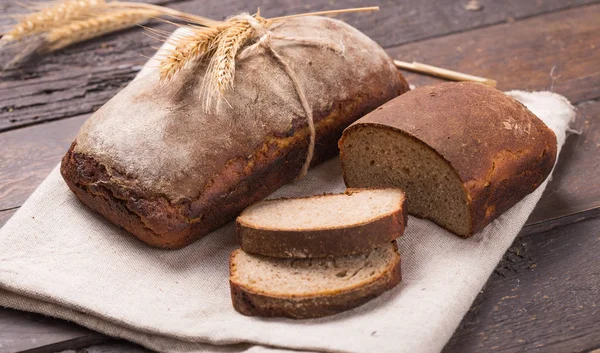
160	136
325	211
311	277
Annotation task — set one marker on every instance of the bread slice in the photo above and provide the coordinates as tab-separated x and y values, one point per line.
324	225
310	288
463	152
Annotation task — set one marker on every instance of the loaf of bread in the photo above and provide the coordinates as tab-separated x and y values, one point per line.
313	287
154	161
354	222
463	152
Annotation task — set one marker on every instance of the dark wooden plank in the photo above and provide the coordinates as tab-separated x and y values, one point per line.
522	55
114	347
397	22
21	331
78	80
29	154
421	19
543	297
551	223
6	214
78	90
84	342
574	191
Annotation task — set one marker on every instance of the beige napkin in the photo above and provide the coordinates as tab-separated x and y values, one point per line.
60	259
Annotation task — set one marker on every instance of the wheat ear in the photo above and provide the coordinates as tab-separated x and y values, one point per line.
52	16
187	49
81	30
327	13
222	68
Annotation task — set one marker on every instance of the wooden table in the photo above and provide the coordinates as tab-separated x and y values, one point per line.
545	294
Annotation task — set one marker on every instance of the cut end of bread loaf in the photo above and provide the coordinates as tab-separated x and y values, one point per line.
463	152
310	288
383	157
324	225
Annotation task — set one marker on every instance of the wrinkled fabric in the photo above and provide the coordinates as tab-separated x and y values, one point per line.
60	259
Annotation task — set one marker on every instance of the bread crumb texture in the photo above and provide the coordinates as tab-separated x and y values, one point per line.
310	277
327	211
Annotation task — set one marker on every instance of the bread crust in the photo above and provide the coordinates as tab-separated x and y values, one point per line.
332	241
167	166
162	223
498	148
253	303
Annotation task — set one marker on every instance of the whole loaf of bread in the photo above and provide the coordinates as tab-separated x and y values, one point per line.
154	161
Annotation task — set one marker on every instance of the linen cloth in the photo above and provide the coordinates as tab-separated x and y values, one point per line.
60	259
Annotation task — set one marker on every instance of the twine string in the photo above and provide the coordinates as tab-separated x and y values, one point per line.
308	111
264	41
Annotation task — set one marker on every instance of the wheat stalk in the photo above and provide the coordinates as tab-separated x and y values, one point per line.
222	67
81	30
187	49
326	13
443	73
191	18
56	14
57	24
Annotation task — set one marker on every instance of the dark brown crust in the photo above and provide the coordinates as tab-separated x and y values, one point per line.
299	243
456	120
250	303
157	221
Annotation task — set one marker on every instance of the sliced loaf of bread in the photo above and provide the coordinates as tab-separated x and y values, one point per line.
463	152
324	225
310	288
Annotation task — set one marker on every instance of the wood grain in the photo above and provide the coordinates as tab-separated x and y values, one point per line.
522	55
21	331
543	297
6	214
29	154
113	347
67	94
396	23
78	80
574	192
